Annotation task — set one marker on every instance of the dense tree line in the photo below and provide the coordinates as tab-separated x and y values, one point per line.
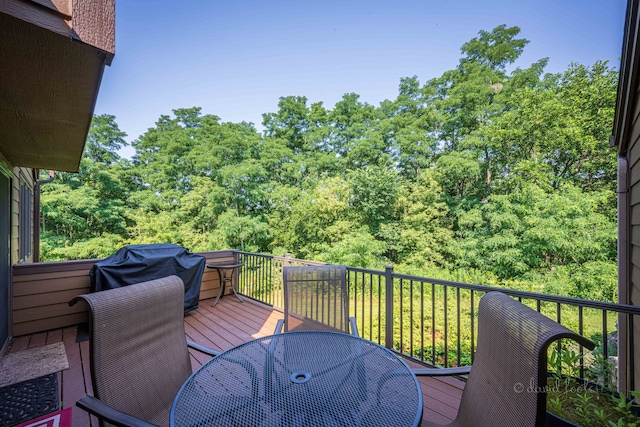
490	173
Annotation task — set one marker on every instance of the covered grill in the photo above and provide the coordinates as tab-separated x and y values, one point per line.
139	263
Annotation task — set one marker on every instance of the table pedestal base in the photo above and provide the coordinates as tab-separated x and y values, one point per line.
224	279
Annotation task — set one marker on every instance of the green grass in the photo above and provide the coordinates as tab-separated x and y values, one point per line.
432	323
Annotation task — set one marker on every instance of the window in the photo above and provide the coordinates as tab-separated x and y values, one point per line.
26	209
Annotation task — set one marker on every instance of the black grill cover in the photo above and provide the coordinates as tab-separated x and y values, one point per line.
138	263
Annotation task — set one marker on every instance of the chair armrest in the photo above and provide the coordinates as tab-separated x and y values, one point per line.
110	414
203	349
279	326
354	326
441	372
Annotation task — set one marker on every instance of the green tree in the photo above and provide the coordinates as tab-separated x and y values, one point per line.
424	231
410	129
355	136
502	176
555	134
534	230
80	209
466	94
374	193
307	221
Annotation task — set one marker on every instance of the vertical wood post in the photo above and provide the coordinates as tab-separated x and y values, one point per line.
236	272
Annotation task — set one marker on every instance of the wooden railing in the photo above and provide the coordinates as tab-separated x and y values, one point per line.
41	292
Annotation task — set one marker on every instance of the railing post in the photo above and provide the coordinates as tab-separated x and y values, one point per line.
287	256
236	272
388	306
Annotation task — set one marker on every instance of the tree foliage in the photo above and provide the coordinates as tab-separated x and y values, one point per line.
506	173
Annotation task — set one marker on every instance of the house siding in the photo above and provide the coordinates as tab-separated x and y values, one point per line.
633	295
16	174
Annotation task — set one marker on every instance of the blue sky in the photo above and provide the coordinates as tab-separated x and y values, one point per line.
236	58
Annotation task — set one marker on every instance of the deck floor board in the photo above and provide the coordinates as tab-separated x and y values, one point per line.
228	324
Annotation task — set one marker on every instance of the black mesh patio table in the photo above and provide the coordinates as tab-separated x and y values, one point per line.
310	378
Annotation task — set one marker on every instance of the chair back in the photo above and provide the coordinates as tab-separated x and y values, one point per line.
316	298
138	350
507	382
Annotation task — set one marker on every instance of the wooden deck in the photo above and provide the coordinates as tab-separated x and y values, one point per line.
228	324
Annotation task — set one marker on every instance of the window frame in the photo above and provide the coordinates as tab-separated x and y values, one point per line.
25	221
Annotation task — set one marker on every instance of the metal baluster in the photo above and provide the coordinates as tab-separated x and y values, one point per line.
631	360
473	321
411	317
581	332
379	304
388	327
605	345
370	309
400	315
422	320
559	320
433	323
458	321
446	328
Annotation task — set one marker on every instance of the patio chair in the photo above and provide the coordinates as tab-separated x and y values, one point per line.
506	384
316	298
138	350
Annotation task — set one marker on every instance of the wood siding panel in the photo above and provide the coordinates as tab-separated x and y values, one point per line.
635	236
44	299
210	280
634	149
31	275
634	174
634	256
48	324
41	291
636	111
633	156
634	194
635	289
54	267
40	287
635	215
46	312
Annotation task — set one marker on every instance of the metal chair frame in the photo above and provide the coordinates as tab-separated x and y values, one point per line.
506	382
318	298
138	351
